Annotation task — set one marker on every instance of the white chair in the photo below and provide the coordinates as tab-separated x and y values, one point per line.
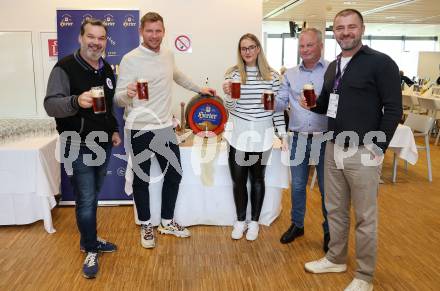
433	108
407	104
410	101
421	126
435	91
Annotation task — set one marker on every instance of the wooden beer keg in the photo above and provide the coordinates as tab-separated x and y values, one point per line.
206	113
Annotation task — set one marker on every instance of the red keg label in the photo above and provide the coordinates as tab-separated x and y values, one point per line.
207	114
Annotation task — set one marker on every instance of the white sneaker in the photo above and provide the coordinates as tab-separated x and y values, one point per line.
147	236
253	229
324	266
174	228
239	228
359	285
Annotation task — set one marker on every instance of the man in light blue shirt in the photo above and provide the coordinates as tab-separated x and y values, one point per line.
307	127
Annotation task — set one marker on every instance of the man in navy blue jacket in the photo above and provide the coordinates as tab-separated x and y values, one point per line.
69	99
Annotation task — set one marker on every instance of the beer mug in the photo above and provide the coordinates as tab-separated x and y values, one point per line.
268	100
309	94
142	89
235	89
98	99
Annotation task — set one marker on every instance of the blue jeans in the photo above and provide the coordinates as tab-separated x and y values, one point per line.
302	147
87	181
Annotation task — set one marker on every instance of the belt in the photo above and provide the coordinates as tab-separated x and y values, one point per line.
346	144
309	135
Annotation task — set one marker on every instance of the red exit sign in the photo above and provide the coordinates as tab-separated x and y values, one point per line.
53	47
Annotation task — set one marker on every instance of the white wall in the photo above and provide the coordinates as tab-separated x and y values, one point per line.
429	65
214	27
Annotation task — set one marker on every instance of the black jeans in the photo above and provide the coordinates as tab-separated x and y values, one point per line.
242	165
143	146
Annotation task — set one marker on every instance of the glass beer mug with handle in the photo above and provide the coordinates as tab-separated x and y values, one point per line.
98	96
142	89
268	100
235	88
309	95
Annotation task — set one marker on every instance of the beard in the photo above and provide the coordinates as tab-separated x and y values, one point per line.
93	52
351	44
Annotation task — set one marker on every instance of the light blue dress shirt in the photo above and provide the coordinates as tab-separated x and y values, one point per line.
302	120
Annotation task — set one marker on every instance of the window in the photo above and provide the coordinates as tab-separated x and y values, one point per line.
405	52
331	49
273	52
290	52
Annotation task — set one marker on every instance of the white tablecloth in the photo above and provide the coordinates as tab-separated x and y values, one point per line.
198	202
29	179
404	145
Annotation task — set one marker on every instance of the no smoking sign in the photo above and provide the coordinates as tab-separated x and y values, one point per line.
182	43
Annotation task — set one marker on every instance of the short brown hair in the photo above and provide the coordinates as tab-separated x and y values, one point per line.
92	21
151	17
349	11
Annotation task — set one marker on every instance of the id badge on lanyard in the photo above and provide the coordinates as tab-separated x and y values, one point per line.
332	109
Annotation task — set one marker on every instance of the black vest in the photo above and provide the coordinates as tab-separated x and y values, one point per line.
81	78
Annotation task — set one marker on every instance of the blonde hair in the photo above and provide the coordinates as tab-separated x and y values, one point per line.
264	70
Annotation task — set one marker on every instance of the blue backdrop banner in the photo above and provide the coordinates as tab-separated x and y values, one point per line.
122	37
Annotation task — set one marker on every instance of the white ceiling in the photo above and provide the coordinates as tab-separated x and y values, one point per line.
409	11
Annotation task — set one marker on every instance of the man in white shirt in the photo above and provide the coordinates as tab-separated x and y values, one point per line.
149	124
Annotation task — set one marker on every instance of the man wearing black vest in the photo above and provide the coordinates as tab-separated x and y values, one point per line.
361	96
86	134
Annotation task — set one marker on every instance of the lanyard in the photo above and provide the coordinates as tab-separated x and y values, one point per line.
339	73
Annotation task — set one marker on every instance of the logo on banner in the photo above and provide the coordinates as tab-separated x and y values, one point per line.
122	37
183	43
109	20
86	17
129	21
66	20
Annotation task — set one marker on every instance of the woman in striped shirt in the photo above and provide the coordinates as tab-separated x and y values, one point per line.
250	131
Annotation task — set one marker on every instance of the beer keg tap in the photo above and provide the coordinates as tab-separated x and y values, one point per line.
206	82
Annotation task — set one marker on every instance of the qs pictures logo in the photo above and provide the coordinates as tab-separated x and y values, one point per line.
129	21
66	20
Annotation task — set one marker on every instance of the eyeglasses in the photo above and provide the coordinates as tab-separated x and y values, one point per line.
248	49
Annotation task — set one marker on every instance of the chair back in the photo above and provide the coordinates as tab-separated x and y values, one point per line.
429	104
407	101
419	123
436	91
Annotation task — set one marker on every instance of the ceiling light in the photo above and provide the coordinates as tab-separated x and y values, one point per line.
350	2
283	8
388	6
